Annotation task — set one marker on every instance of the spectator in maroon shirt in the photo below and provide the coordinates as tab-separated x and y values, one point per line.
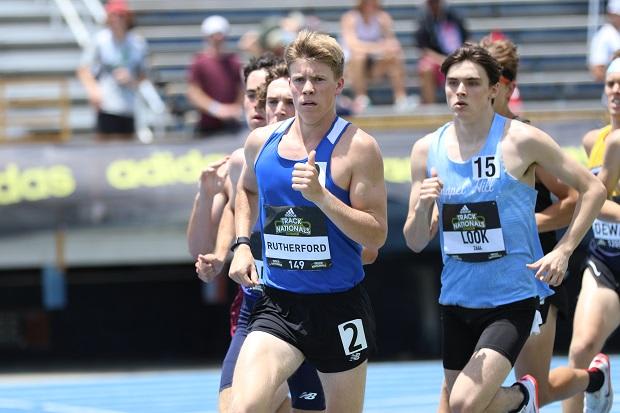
215	84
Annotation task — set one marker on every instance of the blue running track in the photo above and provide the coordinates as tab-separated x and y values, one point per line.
395	387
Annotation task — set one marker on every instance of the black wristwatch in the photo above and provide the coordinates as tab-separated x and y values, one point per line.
239	241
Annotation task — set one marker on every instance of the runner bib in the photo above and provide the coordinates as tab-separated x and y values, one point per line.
472	231
296	238
256	246
606	234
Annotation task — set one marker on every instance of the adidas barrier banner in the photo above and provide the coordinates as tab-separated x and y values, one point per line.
46	186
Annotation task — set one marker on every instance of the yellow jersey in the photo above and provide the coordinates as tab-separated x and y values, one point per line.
597	154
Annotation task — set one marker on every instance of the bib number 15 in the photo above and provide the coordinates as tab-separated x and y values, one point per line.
485	167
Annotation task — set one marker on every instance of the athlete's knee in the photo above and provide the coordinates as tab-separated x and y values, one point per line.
234	408
239	405
460	404
581	347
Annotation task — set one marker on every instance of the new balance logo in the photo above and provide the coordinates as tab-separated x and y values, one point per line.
355	356
595	270
290	213
465	210
307	396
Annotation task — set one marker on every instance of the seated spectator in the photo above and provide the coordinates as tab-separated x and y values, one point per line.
372	51
215	85
275	33
605	42
440	32
111	69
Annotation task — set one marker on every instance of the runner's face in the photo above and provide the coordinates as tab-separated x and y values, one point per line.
279	101
467	89
254	115
314	88
612	91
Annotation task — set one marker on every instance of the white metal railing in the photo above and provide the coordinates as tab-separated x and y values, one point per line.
96	10
74	21
594	14
150	108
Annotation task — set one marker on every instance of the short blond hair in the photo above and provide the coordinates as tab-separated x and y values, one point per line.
319	47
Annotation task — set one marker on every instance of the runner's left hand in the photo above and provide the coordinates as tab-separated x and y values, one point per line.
208	267
306	179
242	268
551	268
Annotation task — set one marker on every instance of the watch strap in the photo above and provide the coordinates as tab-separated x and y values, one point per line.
239	241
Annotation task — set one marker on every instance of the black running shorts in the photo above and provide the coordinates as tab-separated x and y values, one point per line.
504	329
335	332
559	300
605	272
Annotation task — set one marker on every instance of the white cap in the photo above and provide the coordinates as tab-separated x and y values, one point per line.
613	7
614	66
214	24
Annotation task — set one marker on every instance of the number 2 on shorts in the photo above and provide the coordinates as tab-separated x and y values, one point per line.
352	336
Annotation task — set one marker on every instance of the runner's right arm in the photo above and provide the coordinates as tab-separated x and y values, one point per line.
421	224
242	268
208	206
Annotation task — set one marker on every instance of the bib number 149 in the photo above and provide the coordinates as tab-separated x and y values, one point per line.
296	265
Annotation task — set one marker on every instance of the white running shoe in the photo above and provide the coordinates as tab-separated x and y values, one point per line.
601	400
407	103
361	103
532	390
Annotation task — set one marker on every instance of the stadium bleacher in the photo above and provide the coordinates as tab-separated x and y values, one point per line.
552	39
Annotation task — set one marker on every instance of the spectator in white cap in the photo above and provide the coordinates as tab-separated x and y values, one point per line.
215	24
605	42
215	86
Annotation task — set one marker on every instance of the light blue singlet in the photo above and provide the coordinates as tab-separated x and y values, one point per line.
487	227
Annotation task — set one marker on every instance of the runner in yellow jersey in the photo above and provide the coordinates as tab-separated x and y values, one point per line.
598	309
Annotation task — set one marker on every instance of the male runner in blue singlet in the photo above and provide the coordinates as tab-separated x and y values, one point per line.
316	184
472	181
211	231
